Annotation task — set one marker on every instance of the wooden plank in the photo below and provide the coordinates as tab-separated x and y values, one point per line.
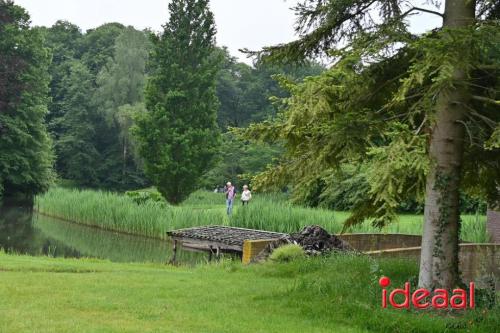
190	242
216	238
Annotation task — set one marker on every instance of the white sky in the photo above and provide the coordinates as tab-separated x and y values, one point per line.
248	24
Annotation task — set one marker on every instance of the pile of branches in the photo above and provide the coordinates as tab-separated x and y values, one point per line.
313	239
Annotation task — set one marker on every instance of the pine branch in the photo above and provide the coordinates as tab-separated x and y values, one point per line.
486	100
467	130
488	121
419	9
421	125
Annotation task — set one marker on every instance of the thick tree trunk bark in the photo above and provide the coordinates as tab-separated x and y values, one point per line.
439	256
493	224
493	219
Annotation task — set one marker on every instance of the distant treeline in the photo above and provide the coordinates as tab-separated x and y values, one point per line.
97	85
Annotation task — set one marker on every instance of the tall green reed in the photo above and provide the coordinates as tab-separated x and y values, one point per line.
112	211
270	212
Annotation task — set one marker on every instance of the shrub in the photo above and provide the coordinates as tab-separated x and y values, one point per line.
141	197
287	253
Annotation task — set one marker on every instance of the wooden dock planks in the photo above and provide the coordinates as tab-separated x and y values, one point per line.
220	238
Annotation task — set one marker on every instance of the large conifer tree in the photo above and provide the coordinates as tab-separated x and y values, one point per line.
25	154
420	112
178	136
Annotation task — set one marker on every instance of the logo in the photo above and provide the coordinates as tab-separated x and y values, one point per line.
423	298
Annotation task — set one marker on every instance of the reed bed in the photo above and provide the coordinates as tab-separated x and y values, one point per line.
268	214
473	227
112	211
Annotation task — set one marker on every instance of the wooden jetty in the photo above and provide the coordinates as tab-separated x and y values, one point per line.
216	239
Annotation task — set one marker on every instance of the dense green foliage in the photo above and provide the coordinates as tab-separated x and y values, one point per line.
238	161
96	90
119	97
334	121
418	111
245	92
140	213
25	148
143	196
77	153
97	85
178	136
346	189
335	294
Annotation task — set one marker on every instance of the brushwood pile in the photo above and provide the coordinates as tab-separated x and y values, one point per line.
313	239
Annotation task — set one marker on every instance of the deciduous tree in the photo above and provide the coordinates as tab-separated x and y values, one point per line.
119	94
25	149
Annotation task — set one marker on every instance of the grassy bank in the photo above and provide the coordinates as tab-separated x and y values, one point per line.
267	212
338	294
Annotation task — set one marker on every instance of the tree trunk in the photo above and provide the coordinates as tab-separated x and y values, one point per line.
493	219
493	225
439	256
124	165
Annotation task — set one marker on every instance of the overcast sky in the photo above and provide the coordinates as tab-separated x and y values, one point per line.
240	23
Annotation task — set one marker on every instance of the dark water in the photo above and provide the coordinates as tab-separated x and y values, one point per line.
24	232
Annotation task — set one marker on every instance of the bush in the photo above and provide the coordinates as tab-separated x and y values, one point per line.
287	253
141	197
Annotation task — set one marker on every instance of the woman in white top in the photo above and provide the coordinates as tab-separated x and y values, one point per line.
246	195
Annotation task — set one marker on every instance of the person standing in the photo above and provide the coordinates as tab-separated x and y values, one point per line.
246	195
230	192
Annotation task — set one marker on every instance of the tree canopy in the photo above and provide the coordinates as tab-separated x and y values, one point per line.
178	136
97	83
419	112
26	158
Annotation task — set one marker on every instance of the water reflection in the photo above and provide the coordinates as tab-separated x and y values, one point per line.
22	231
118	247
17	233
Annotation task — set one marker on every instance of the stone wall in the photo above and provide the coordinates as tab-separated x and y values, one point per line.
372	242
478	262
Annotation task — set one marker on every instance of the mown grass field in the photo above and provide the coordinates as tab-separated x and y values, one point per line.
118	212
336	294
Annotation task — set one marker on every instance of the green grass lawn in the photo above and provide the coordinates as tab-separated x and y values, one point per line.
336	294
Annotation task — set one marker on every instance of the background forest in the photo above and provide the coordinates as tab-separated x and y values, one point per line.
97	86
96	82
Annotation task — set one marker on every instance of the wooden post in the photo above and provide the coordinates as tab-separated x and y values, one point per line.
210	253
217	253
174	254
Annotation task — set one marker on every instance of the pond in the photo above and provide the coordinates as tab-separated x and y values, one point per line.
24	232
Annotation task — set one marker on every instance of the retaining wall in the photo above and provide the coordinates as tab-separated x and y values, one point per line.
478	262
372	242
